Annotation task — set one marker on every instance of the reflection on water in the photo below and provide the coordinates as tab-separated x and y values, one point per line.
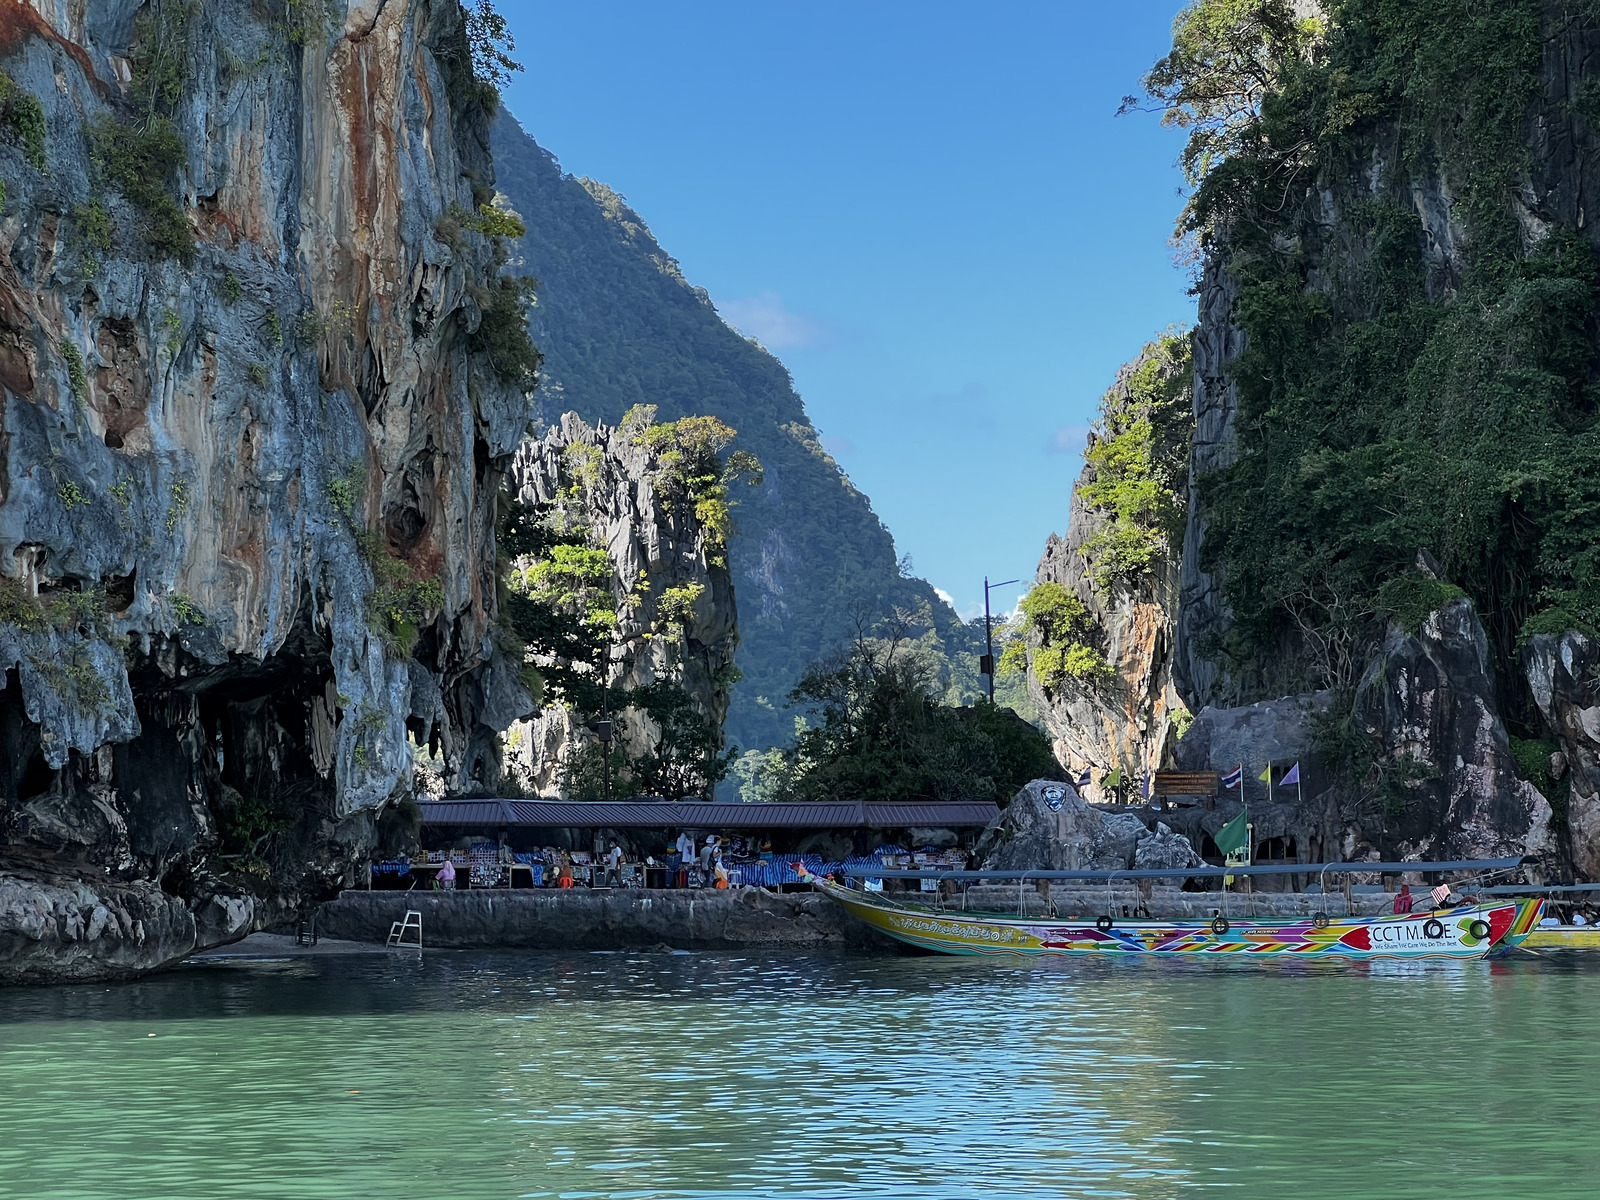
500	1075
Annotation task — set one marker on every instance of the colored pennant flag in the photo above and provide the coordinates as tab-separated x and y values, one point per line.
1235	834
1233	778
1266	776
1147	783
1113	780
1441	893
1293	776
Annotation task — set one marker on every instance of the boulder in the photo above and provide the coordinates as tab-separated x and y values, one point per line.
1564	676
1163	848
1252	735
1429	702
1048	827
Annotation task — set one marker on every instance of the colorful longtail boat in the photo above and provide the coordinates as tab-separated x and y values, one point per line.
1466	932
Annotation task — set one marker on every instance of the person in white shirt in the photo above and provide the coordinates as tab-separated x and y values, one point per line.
685	849
614	865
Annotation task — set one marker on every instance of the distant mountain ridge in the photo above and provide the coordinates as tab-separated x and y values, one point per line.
620	325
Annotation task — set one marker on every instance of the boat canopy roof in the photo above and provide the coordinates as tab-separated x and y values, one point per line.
1205	872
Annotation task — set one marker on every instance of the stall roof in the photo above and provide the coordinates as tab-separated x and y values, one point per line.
646	814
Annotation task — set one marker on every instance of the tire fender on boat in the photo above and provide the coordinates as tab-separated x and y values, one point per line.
1434	928
1478	929
1320	920
1219	925
1103	924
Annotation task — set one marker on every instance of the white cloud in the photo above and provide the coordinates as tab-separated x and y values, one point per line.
764	318
1069	439
945	596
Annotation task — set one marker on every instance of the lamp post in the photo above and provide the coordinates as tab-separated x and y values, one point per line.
603	730
986	663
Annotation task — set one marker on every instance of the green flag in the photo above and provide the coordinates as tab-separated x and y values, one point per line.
1234	834
1113	780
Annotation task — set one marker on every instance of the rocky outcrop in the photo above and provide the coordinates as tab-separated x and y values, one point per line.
1430	703
247	488
619	324
1128	720
676	617
1275	731
1431	774
1564	676
1049	827
1202	612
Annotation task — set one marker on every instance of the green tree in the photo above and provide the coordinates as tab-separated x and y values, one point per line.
1140	462
873	730
1059	639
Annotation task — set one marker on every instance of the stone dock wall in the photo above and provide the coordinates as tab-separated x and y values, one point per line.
694	919
581	919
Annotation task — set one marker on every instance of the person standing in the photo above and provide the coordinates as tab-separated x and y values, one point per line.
614	865
706	852
685	857
1402	901
447	874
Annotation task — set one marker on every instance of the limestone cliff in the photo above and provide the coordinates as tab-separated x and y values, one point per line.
1387	567
667	582
1117	560
254	427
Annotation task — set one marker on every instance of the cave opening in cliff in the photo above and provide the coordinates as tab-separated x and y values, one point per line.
233	759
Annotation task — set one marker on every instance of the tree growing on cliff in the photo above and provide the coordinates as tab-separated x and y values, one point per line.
1227	57
1059	640
1140	461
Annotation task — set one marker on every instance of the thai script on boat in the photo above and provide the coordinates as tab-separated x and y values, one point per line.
987	933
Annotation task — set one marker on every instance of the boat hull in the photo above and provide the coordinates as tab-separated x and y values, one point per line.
1564	937
1457	933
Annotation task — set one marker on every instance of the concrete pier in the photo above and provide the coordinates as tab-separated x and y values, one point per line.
703	919
600	919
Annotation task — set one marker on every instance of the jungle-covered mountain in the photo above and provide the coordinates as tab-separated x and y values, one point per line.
619	325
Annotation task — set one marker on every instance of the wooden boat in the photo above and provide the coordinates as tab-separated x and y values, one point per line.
1564	937
1466	932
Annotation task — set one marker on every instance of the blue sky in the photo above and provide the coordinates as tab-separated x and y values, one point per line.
928	210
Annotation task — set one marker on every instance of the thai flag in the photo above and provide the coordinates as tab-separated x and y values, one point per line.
1441	893
1233	778
1082	781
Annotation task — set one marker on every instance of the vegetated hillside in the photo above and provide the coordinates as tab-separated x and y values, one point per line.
619	325
1390	568
1400	237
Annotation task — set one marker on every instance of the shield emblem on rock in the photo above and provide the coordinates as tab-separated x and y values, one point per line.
1054	795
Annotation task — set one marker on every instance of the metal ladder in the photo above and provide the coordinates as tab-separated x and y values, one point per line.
398	931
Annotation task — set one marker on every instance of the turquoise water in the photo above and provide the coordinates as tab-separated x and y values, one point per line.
496	1075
